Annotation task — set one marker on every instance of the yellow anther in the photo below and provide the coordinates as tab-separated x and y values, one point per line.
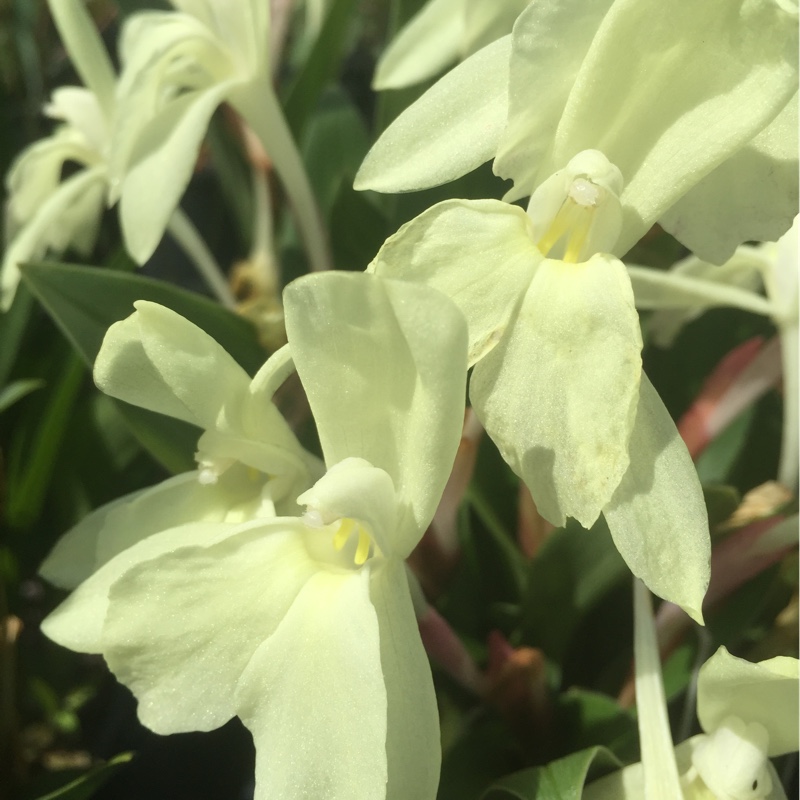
558	227
362	551
343	534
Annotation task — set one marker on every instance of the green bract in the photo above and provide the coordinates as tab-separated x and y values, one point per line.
302	626
441	33
558	384
694	104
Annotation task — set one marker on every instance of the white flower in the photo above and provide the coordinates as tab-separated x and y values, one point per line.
304	627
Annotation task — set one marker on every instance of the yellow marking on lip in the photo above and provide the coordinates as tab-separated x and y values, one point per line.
362	551
343	534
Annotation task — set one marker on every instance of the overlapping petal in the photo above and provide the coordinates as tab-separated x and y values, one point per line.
314	696
384	366
215	605
453	128
558	394
657	516
426	46
158	360
412	737
764	692
480	253
753	195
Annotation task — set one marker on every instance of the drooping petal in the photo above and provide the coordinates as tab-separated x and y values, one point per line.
78	107
182	626
558	394
413	747
78	622
314	698
752	196
765	692
428	44
480	253
158	360
549	43
657	516
452	129
165	156
384	366
70	215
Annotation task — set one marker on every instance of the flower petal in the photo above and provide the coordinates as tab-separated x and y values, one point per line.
657	516
181	627
453	128
549	43
165	156
487	22
384	366
558	394
71	215
428	44
479	253
753	195
158	360
413	747
669	91
764	692
313	696
78	622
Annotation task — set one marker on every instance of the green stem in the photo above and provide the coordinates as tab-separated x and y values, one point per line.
681	291
187	236
258	104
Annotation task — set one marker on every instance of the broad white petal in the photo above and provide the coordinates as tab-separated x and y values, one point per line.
74	557
71	213
657	516
751	196
452	129
668	91
182	627
314	697
78	622
165	155
550	40
480	253
384	366
158	360
80	109
428	44
558	394
413	746
765	692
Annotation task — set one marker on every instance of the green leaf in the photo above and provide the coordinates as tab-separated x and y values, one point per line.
717	460
721	502
571	572
15	391
559	780
85	301
12	328
321	65
35	459
86	785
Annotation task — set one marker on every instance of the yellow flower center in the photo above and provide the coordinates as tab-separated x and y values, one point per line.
347	528
573	221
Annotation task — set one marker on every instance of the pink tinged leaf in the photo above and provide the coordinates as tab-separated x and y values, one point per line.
701	422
